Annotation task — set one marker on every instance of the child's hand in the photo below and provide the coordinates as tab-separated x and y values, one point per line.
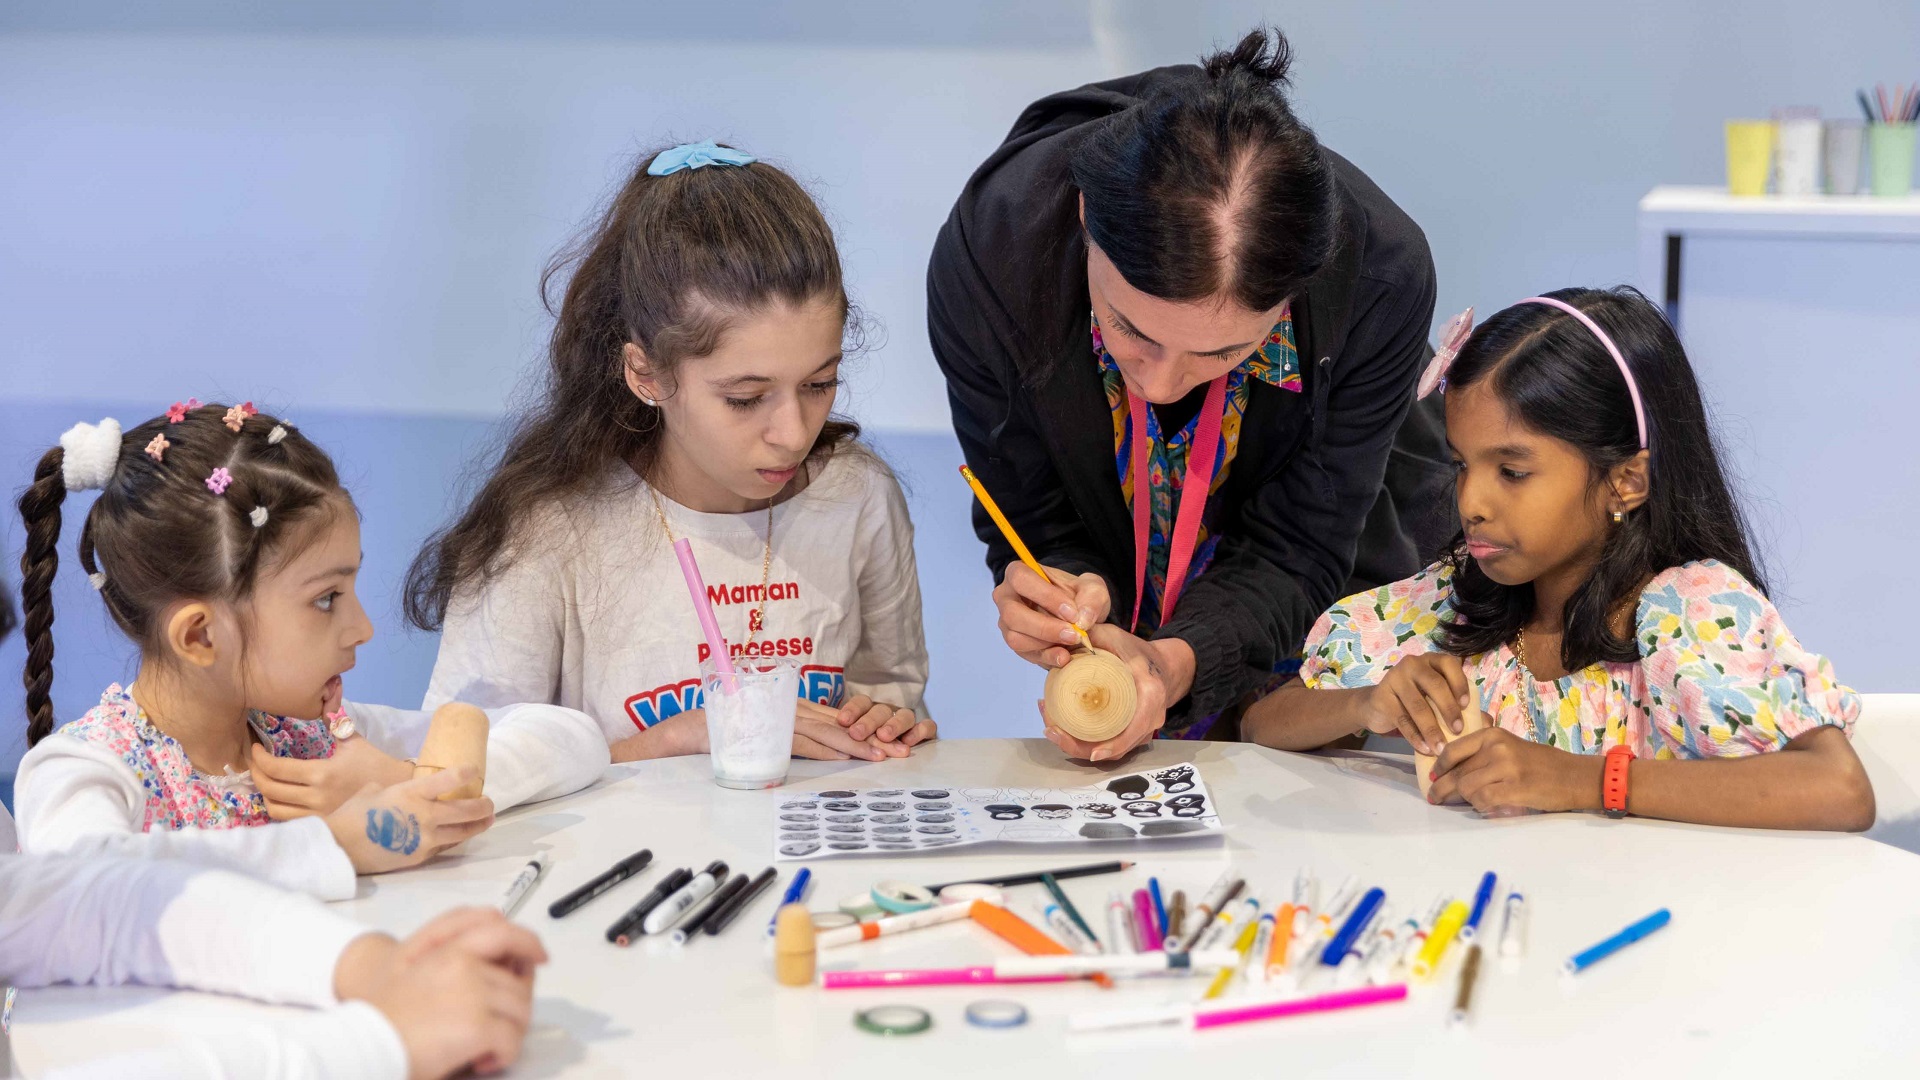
459	991
866	718
384	829
1496	769
818	732
1405	701
297	787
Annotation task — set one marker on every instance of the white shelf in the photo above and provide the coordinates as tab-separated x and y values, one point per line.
1680	209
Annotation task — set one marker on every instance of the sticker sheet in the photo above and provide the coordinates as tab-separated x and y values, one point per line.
1153	804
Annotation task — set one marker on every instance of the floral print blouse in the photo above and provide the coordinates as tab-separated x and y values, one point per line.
178	795
1720	675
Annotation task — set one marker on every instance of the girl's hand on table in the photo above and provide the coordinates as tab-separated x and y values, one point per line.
865	718
1497	770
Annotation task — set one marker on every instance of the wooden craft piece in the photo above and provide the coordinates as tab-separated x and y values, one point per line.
1092	698
793	946
457	736
1471	720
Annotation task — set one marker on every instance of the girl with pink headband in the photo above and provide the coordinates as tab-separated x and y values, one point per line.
1600	604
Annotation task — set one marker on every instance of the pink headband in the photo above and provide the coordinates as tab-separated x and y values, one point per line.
1633	388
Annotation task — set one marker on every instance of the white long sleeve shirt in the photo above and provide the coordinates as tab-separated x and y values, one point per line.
593	613
79	797
111	921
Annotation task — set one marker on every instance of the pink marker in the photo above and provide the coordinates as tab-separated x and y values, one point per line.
866	980
1274	1010
1148	926
702	608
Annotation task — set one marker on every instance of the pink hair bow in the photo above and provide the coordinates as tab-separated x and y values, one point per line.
1454	335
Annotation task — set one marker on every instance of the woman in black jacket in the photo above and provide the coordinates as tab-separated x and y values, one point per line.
1173	255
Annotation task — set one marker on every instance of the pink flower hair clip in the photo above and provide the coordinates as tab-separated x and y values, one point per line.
1454	335
218	480
157	448
179	411
238	415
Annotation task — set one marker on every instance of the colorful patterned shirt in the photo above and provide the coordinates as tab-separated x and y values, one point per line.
178	795
1720	675
1276	363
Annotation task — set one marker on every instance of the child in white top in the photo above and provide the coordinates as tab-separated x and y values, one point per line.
695	361
223	544
457	993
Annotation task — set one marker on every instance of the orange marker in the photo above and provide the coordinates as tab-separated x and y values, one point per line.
1020	933
1282	935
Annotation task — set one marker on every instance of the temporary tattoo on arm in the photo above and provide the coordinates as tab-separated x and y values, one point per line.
396	831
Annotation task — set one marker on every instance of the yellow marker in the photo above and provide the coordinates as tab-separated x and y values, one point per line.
1444	928
1006	530
1242	946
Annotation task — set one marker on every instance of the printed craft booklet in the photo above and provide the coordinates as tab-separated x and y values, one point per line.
1152	804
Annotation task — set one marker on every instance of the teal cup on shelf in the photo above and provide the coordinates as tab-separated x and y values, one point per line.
1890	146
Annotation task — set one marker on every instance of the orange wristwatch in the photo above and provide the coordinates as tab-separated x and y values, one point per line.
1613	782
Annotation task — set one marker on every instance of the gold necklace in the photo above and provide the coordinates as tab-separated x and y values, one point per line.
759	617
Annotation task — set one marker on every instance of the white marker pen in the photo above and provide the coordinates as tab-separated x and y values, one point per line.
1120	927
523	884
691	893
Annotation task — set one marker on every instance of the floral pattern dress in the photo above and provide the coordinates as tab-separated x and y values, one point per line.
1277	363
1720	675
178	795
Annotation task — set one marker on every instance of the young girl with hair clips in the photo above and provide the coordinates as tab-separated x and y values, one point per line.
1600	601
224	545
694	366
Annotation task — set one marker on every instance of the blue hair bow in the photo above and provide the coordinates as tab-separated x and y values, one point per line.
696	156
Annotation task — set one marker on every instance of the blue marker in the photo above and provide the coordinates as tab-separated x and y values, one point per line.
794	894
1583	960
1480	901
1356	924
1159	905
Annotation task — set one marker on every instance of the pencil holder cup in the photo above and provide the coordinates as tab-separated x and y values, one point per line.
1796	157
1749	156
1845	141
1891	148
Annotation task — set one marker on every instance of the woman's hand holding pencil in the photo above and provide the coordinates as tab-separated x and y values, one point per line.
1046	612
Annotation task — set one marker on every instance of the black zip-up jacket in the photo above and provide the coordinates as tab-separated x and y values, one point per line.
1310	508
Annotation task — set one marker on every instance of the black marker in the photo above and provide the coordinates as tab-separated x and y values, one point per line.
621	871
622	931
740	901
721	898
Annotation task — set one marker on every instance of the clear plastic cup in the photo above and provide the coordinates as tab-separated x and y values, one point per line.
750	718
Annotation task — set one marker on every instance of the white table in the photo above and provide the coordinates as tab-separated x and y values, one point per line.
1787	953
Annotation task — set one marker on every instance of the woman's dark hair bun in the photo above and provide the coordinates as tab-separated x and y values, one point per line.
1263	54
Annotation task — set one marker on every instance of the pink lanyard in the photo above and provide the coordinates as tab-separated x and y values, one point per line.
1201	455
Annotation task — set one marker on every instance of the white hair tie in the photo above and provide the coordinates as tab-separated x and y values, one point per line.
92	452
258	517
98	580
279	432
